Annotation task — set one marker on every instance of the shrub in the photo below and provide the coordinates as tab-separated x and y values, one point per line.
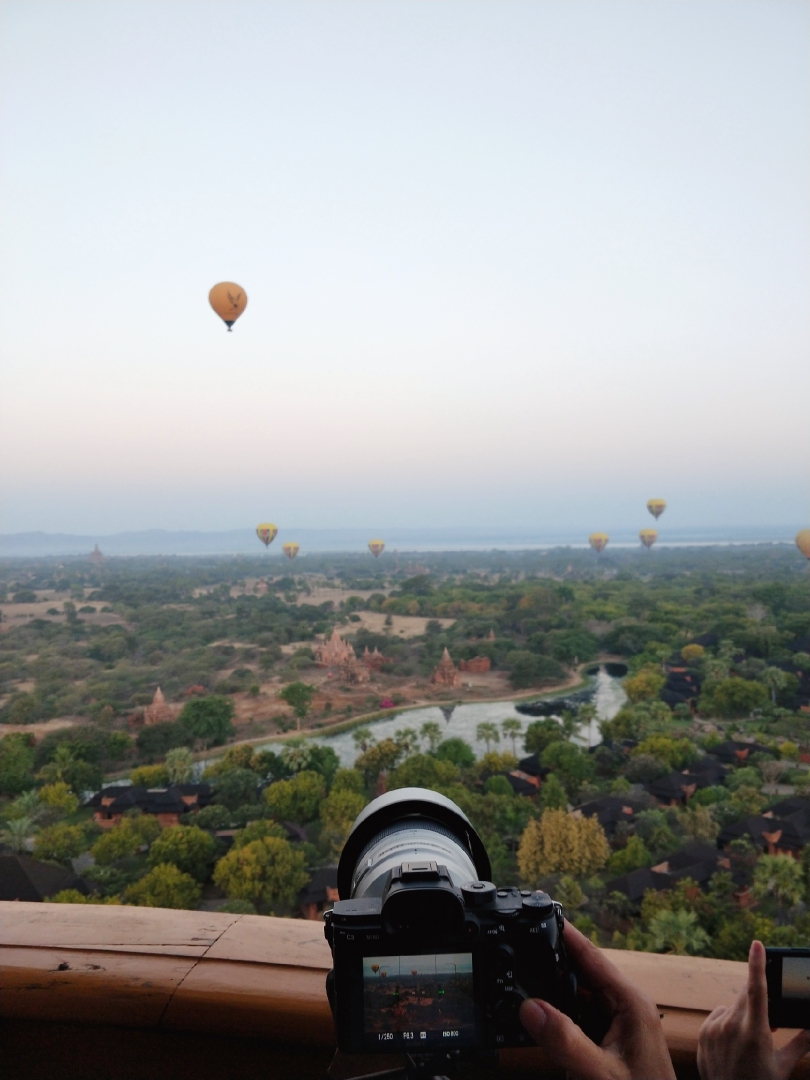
190	849
166	887
150	776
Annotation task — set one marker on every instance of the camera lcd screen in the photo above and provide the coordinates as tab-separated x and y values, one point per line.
796	978
419	1001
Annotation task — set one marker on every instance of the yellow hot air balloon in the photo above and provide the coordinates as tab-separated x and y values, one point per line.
266	532
656	507
290	549
648	537
598	541
376	547
803	542
228	301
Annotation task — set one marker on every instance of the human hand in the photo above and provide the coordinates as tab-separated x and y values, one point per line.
736	1043
634	1047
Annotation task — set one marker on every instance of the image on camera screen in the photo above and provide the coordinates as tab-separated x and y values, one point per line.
417	1000
796	978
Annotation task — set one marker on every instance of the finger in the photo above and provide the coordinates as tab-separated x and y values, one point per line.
567	1046
715	1014
757	993
792	1054
597	972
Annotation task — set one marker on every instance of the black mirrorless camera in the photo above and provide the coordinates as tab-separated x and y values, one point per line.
429	956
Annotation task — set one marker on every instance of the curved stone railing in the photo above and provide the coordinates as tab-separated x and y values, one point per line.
250	988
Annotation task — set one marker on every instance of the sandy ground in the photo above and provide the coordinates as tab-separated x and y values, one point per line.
17	614
45	727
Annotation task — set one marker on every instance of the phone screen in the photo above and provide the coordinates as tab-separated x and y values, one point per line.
796	978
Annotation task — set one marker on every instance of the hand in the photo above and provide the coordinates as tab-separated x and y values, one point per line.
736	1043
634	1047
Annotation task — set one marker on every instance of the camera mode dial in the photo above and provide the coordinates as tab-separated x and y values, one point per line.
538	904
478	894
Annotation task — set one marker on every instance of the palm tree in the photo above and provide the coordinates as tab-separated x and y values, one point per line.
432	733
180	765
677	932
407	740
775	679
17	832
362	738
511	728
487	733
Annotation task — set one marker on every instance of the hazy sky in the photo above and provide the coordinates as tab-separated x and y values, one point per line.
506	262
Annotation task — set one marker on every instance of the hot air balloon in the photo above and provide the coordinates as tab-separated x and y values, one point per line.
290	549
598	541
803	542
648	537
376	547
228	301
656	507
266	532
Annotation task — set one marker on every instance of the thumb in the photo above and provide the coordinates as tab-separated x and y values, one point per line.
793	1052
566	1045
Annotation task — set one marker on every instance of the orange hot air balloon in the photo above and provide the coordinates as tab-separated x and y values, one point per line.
228	301
376	547
266	533
290	549
803	542
648	537
656	507
598	541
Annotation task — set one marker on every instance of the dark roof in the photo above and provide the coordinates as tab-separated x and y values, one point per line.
315	891
673	785
796	804
609	810
521	786
636	883
149	800
706	640
532	766
756	826
732	750
23	878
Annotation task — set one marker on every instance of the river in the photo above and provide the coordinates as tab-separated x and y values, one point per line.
462	721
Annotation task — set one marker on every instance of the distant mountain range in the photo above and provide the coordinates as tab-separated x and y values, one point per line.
245	542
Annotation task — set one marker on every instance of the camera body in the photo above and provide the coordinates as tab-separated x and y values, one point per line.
787	972
432	966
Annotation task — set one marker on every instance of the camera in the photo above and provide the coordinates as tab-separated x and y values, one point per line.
429	956
787	972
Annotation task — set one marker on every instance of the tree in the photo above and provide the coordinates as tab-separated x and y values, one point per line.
644	686
732	699
58	798
208	720
189	848
16	763
212	817
268	872
528	669
297	799
457	751
348	780
677	753
511	728
180	765
559	842
553	795
432	732
67	765
378	758
16	833
407	740
540	734
779	878
60	842
125	839
338	812
235	788
258	830
362	738
632	856
677	932
166	887
150	776
699	823
691	653
487	733
572	765
298	696
775	679
423	770
498	785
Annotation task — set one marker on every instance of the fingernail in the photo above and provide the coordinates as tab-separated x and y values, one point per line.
532	1014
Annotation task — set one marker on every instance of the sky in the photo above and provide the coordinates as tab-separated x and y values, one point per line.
525	263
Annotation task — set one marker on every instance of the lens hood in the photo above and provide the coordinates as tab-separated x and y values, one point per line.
403	805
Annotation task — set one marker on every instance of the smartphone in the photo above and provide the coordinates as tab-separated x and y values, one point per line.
788	975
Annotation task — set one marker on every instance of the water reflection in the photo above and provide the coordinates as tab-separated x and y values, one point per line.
461	721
